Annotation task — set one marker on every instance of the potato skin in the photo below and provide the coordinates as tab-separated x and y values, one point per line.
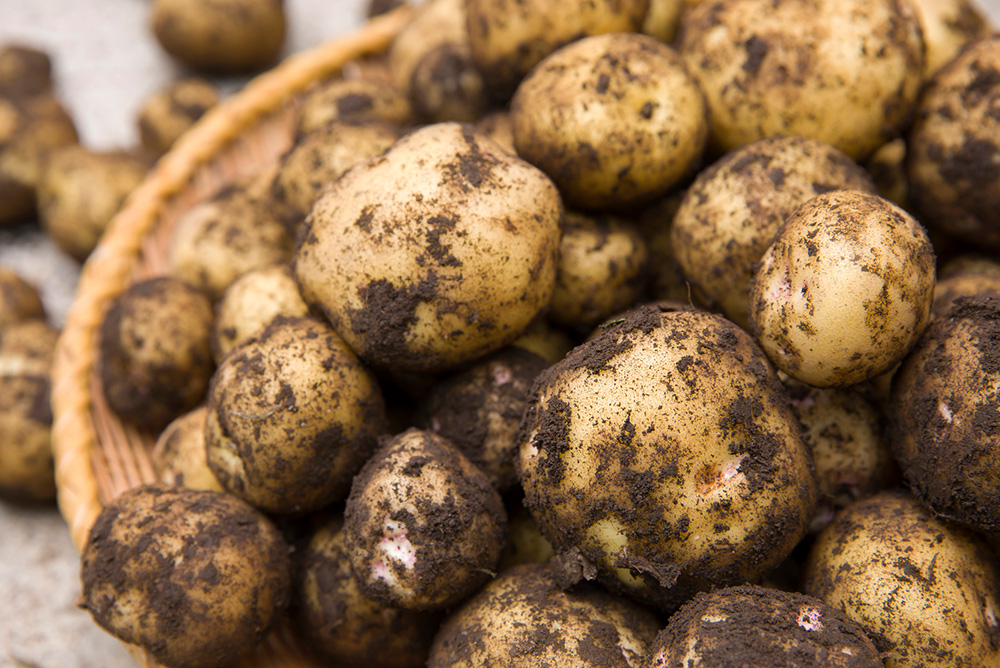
948	26
194	577
354	100
437	252
717	494
798	69
168	114
24	71
800	313
179	457
925	589
19	300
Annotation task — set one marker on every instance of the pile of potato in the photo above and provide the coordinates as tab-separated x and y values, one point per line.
586	333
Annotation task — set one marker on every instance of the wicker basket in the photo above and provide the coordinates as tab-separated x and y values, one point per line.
98	457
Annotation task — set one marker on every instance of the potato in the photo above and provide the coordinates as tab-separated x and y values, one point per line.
666	280
169	113
808	324
525	618
424	526
525	543
968	277
509	37
766	626
664	449
354	100
19	300
948	26
925	590
548	342
377	7
887	166
24	71
292	416
663	19
27	471
196	578
154	352
179	457
439	251
845	72
81	191
222	36
734	209
615	120
498	127
953	162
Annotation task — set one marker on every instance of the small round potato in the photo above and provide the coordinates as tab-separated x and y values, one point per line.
424	526
179	458
734	209
663	19
24	72
545	340
845	72
925	590
439	251
354	100
953	163
844	291
525	543
615	120
171	112
948	26
19	300
155	352
887	166
222	36
196	578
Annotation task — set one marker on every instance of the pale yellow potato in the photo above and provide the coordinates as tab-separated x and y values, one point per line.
887	166
179	458
664	449
663	19
734	209
948	26
348	100
615	120
439	251
525	543
548	342
497	126
194	577
846	72
169	113
19	300
925	588
844	291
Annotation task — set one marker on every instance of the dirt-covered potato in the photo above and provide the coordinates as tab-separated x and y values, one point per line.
809	322
666	280
615	120
509	37
948	26
218	240
27	470
169	113
545	340
194	577
81	191
222	36
734	209
953	163
349	629
29	129
525	619
479	410
354	100
19	300
966	277
525	543
845	72
887	166
321	157
750	625
424	526
154	352
24	71
498	127
179	457
665	450
439	251
925	590
292	416
663	19
253	302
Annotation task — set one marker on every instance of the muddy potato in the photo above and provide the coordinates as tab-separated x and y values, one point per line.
349	629
953	163
498	127
801	314
30	128
525	543
27	470
761	627
292	416
354	100
845	72
154	352
602	270
179	458
509	37
222	36
703	481
965	277
925	589
169	113
24	71
526	618
251	303
545	340
194	577
424	526
948	26
887	166
615	120
218	240
479	410
734	209
441	250
81	191
19	300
